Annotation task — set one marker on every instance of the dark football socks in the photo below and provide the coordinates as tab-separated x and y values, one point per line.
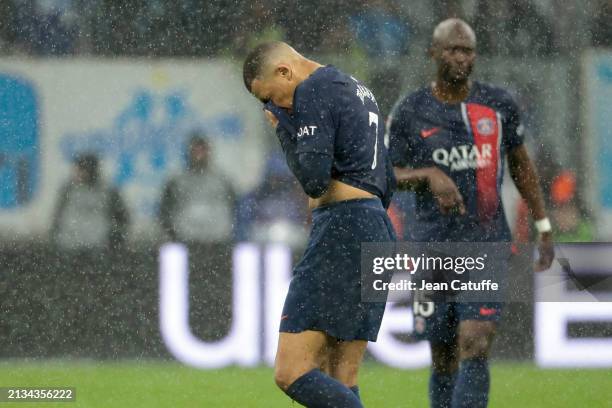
441	389
318	390
472	384
355	389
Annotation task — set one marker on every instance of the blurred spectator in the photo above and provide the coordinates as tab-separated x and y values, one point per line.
198	205
277	210
89	213
602	25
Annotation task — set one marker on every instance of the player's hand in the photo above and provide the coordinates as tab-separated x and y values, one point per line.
271	118
546	252
445	192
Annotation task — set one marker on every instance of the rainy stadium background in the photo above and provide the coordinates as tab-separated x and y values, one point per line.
93	297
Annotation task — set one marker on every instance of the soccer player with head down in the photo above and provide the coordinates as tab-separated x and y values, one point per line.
329	127
448	142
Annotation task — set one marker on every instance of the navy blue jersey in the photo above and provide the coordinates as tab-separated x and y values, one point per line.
336	116
468	141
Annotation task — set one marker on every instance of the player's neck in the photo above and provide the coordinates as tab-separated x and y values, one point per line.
451	92
307	68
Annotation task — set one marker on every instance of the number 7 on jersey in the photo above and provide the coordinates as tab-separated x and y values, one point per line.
374	120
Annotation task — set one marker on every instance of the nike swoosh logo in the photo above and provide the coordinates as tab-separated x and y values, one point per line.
284	317
485	311
425	133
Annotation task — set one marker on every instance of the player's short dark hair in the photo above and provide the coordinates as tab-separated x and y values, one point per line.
255	62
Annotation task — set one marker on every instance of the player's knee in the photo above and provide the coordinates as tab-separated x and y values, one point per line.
284	377
444	366
286	373
472	346
444	359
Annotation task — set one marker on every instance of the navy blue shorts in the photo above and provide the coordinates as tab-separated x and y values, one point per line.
325	292
438	321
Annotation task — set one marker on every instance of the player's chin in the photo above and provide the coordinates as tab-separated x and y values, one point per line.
460	76
285	102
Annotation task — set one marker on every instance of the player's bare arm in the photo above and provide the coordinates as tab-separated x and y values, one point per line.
434	180
525	178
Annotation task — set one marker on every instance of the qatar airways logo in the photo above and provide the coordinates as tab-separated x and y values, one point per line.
464	157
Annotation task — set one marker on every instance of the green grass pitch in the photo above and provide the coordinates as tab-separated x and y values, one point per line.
167	384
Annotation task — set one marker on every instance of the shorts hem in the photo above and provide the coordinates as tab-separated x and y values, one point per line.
331	333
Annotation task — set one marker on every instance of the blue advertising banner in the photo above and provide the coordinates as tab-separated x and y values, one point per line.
597	115
19	141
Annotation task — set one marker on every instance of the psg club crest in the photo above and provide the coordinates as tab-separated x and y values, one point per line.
485	126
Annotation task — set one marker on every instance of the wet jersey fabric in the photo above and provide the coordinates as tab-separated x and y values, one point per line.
336	117
469	142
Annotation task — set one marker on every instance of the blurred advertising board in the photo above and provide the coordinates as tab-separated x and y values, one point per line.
211	306
135	114
597	121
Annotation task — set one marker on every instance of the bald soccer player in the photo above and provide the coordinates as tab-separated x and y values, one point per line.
448	143
329	127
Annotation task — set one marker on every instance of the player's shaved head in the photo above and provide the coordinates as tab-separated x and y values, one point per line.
273	70
264	56
450	29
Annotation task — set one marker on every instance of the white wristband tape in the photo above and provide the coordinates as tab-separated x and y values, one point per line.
543	225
